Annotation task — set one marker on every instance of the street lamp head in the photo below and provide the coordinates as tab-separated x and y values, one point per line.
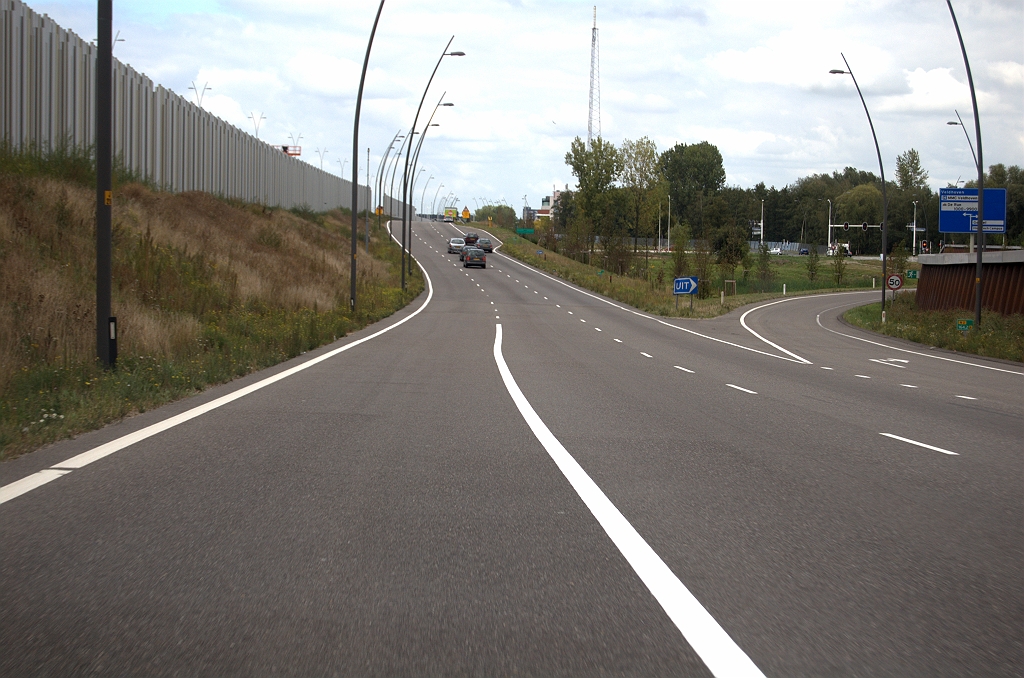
455	54
447	104
953	122
838	71
435	124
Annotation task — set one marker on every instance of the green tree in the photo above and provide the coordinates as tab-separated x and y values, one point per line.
859	204
680	259
898	260
694	173
909	173
596	166
704	267
765	272
838	266
813	263
639	177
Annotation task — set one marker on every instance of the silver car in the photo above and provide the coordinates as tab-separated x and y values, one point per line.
455	245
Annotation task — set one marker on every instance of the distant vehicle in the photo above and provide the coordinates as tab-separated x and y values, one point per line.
804	250
451	214
455	245
471	238
485	244
474	257
775	250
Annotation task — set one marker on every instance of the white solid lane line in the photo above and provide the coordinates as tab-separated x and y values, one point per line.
648	317
740	388
708	639
919	444
684	369
19	487
743	322
905	350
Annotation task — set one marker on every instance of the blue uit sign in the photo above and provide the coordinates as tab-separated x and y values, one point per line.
958	210
685	285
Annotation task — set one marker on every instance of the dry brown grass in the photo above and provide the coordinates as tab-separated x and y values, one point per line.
47	267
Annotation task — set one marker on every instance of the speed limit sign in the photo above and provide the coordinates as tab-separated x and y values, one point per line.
894	281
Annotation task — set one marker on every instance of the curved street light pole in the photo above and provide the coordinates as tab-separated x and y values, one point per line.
961	124
394	174
380	176
433	205
408	153
355	160
881	171
981	172
423	195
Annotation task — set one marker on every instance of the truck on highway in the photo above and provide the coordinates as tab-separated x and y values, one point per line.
450	214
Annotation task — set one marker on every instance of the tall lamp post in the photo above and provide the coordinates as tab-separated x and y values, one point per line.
881	171
408	153
105	324
423	195
380	176
981	172
394	173
433	205
355	161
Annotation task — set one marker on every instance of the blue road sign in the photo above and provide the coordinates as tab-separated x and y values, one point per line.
685	285
958	210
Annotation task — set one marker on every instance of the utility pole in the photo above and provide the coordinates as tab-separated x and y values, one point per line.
106	325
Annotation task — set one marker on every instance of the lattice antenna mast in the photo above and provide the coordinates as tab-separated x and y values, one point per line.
595	85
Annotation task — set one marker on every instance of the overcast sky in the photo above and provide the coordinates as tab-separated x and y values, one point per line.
750	77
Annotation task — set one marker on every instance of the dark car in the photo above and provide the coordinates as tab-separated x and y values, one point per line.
462	253
474	257
804	250
471	238
485	244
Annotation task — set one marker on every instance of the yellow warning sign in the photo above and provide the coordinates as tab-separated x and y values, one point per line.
108	197
465	213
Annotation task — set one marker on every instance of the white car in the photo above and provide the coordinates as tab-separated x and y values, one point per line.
775	250
455	245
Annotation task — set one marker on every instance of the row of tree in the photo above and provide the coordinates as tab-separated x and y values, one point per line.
625	193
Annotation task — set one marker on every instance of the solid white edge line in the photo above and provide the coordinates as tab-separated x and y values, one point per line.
919	444
648	317
707	638
80	460
906	350
743	322
740	388
29	483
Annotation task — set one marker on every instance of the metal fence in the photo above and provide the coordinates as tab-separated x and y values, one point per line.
47	97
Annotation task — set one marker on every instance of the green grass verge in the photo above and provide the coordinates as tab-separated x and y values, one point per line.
998	337
657	298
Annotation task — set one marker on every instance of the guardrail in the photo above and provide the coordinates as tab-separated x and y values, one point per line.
47	97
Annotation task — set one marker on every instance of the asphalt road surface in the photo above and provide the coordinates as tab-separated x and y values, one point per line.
516	476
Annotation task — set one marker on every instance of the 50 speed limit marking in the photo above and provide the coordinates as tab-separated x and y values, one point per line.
894	282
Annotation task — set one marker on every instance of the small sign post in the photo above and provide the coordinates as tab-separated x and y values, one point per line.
964	324
684	286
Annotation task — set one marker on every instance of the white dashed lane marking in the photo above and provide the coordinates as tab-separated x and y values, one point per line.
684	369
646	355
966	397
619	340
919	444
740	388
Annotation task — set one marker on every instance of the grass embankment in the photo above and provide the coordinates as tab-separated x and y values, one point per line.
998	337
205	290
655	294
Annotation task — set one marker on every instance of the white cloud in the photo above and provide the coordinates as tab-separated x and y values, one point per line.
750	77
